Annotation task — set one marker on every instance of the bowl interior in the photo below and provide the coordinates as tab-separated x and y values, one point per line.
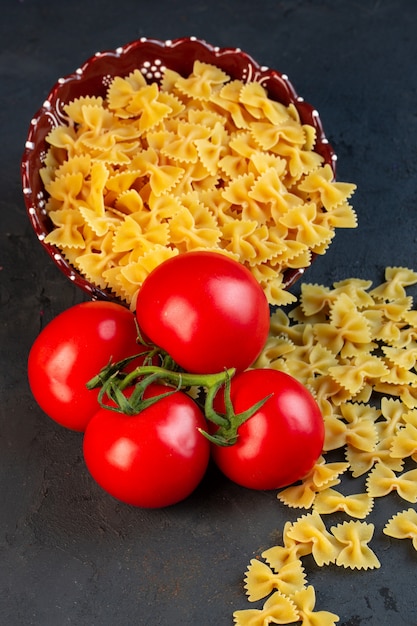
150	56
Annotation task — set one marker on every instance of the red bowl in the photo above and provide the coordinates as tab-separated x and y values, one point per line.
150	56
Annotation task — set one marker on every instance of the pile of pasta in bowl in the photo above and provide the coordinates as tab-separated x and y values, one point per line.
202	161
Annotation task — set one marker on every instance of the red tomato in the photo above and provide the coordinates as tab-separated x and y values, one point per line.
152	459
281	442
72	349
206	310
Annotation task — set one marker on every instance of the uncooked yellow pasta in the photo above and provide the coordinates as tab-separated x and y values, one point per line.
277	609
355	347
382	480
305	601
311	530
403	525
320	478
330	501
198	162
354	537
261	580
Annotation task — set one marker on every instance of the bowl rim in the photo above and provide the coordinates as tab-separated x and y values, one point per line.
255	71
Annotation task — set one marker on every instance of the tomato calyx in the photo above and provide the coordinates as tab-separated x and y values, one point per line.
227	432
113	380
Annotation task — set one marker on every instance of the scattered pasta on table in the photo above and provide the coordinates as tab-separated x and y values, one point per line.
355	347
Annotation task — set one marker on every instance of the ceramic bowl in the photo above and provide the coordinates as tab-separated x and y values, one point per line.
150	56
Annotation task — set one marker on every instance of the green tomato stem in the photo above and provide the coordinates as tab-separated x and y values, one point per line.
113	380
180	379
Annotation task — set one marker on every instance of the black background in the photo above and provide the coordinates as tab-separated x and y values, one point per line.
69	554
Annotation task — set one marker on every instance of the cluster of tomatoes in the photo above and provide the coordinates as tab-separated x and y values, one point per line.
124	380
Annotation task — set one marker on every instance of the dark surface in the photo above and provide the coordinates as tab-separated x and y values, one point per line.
68	553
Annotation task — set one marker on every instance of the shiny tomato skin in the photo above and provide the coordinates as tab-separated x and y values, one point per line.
206	310
153	459
281	442
73	348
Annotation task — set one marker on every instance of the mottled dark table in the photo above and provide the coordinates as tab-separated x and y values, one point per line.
68	553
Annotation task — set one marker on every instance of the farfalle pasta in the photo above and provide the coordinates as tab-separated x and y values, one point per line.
354	536
404	440
403	525
280	580
195	162
261	580
320	478
311	530
347	343
355	347
277	609
305	601
382	480
356	505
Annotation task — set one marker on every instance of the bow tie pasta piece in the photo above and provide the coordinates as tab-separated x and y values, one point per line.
310	529
147	109
181	144
305	601
315	302
122	90
193	227
202	82
210	149
339	216
404	441
120	182
356	505
397	279
321	477
237	194
79	164
403	357
279	556
93	264
303	221
335	427
76	108
362	462
392	418
346	329
403	525
320	183
260	581
66	190
382	480
268	135
362	431
134	234
99	224
68	229
161	177
278	609
63	145
131	274
255	99
94	191
277	201
354	373
162	208
300	496
325	474
227	103
355	536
